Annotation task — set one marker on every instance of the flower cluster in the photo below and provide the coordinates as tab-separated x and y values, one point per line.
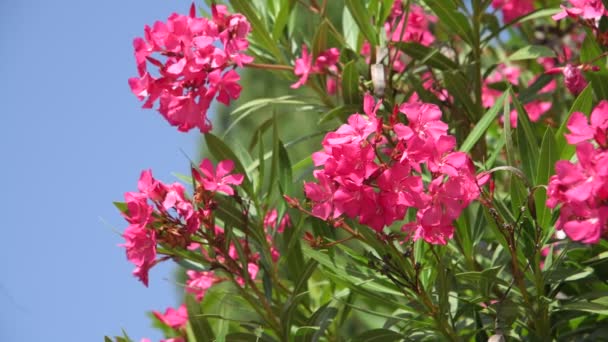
194	60
581	188
583	9
161	214
325	63
377	172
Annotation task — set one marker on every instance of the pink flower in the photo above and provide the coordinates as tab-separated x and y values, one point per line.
585	9
513	9
140	245
580	130
416	29
581	188
373	173
139	212
574	79
303	68
270	220
326	61
199	282
226	86
424	120
219	180
194	53
321	194
175	319
252	270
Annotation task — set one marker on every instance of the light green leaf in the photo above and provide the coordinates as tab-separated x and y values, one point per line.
547	158
363	19
531	52
258	29
483	124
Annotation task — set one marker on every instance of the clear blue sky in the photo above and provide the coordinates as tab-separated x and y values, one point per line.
73	139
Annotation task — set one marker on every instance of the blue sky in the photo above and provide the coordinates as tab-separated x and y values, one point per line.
73	139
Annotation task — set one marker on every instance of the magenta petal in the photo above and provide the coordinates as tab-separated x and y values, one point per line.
223	168
207	168
587	231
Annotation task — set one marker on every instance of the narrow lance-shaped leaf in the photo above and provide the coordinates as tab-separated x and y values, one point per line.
531	52
527	142
548	157
449	15
486	120
363	19
258	29
350	83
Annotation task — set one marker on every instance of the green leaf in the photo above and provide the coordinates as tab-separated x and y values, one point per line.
547	158
289	308
121	206
282	18
221	151
201	330
350	30
242	337
363	19
429	56
378	335
350	83
486	120
322	318
341	113
258	29
456	82
449	15
319	41
590	51
285	177
586	307
531	52
526	141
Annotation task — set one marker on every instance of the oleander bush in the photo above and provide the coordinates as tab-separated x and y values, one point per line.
383	170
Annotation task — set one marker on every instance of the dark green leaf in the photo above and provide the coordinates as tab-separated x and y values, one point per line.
483	124
526	141
449	15
547	158
379	335
350	83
